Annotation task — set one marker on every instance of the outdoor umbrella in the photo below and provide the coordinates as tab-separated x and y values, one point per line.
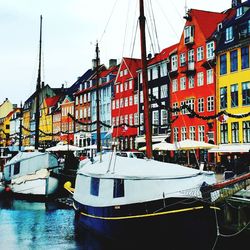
161	146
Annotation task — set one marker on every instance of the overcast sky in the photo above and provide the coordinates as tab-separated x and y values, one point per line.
71	29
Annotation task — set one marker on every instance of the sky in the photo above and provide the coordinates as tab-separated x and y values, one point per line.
70	31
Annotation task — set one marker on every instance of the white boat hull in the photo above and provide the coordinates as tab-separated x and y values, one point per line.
42	186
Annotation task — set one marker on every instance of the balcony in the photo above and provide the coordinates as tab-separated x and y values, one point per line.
209	63
189	41
188	68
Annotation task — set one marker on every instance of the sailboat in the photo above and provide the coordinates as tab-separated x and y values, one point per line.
31	173
134	200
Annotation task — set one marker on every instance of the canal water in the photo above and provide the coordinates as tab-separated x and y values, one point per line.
50	226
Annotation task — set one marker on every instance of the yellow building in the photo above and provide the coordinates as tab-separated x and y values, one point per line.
233	78
5	108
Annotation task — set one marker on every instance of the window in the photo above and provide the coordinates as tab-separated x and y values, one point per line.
141	96
121	87
223	64
245	93
155	73
174	63
182	59
188	34
155	114
191	55
190	103
201	105
183	83
94	186
210	50
200	80
135	99
117	88
141	121
130	100
192	133
175	85
113	104
200	53
121	103
126	102
131	119
234	96
229	34
175	134
223	97
164	91
191	82
224	133
16	168
245	57
210	76
235	132
130	84
246	131
175	106
164	117
156	92
125	86
201	133
118	190
210	103
239	12
234	60
117	103
183	133
136	121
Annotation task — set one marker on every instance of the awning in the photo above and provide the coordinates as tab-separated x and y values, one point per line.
192	144
156	138
231	148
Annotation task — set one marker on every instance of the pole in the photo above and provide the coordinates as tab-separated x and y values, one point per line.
38	89
20	127
147	120
98	131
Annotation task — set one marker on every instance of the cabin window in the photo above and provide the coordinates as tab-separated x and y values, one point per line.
94	186
17	168
118	190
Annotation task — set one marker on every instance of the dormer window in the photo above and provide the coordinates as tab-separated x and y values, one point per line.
229	34
188	34
239	11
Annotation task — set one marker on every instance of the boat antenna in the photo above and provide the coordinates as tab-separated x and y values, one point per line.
147	120
98	129
38	88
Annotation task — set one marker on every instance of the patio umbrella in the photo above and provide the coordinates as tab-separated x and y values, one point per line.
64	147
192	144
94	146
161	146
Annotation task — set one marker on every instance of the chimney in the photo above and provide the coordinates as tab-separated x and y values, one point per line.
94	63
42	84
112	62
236	3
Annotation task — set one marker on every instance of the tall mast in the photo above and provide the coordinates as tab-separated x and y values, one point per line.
147	120
98	131
38	88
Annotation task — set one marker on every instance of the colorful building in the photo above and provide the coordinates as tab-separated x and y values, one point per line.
125	104
233	81
193	81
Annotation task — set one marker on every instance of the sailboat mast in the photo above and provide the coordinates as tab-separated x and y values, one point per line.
98	131
147	120
38	88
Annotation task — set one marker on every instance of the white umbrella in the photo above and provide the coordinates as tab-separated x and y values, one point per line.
94	146
64	147
192	144
161	146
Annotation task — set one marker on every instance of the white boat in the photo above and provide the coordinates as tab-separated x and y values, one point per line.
142	200
32	173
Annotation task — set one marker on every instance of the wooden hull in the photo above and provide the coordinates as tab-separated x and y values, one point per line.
174	222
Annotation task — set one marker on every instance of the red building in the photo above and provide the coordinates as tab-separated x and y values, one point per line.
193	77
125	104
